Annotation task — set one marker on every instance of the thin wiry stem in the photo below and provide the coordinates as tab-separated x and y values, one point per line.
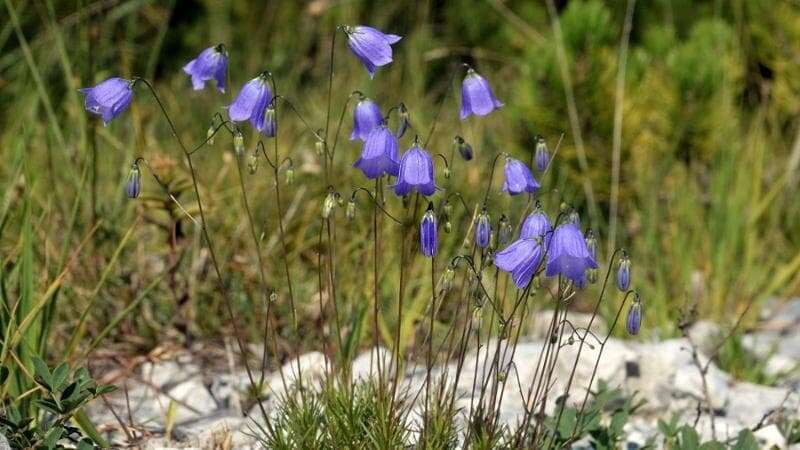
209	243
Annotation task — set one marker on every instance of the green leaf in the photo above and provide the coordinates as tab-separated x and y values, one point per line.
48	404
746	441
53	436
689	438
712	445
60	375
102	390
86	444
42	372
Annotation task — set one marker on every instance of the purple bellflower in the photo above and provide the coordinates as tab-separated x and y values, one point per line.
522	258
270	128
542	155
210	64
483	229
427	233
537	225
416	172
633	323
477	96
568	254
366	117
518	178
109	98
371	46
379	155
624	273
251	103
134	185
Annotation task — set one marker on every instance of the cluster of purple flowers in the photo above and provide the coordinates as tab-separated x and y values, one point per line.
562	250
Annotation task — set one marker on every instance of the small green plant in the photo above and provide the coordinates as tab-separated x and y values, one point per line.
685	437
601	421
62	393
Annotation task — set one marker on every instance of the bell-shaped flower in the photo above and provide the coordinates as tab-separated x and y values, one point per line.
522	258
251	103
568	254
416	172
537	225
428	238
371	46
477	96
366	117
109	98
518	178
210	64
379	155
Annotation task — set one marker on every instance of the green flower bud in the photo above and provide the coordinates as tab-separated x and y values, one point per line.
448	227
210	134
447	279
238	143
290	175
319	146
328	204
252	163
350	212
504	231
591	276
447	208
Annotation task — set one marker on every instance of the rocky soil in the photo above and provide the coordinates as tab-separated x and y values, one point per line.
176	403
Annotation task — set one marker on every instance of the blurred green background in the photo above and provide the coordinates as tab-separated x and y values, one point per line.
693	166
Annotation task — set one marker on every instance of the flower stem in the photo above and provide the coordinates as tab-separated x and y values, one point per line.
212	253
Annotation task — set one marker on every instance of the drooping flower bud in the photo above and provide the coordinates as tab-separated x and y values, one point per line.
448	227
319	147
504	231
483	229
446	172
542	155
447	208
464	149
290	174
634	321
429	242
405	120
134	185
328	204
624	273
447	279
238	143
252	163
210	134
591	276
270	126
350	212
